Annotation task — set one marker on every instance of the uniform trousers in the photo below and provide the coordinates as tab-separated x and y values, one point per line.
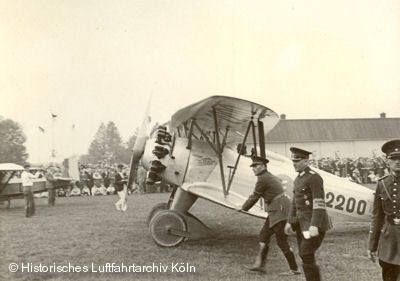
279	230
308	247
29	201
390	272
52	196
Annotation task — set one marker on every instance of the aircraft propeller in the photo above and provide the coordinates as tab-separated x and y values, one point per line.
140	144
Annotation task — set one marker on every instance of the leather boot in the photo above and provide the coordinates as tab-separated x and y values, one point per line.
389	276
294	270
261	258
311	272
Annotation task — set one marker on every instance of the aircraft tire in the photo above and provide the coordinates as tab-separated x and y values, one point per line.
162	223
155	210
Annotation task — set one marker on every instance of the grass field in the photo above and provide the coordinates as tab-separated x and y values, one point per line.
84	231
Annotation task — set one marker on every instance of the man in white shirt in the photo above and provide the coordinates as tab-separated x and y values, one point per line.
121	188
27	184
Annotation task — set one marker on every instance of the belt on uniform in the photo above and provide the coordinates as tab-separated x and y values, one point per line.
305	208
394	221
278	196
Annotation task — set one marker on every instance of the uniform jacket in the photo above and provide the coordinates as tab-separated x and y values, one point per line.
384	235
308	204
270	188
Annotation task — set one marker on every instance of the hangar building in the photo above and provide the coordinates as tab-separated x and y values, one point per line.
334	137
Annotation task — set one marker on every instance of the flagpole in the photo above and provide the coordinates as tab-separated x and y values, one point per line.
73	142
53	151
41	144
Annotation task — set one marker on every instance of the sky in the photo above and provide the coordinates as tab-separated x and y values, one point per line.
98	61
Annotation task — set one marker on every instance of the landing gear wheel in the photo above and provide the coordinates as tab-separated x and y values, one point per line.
155	210
161	226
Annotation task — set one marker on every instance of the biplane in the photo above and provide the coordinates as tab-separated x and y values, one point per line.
202	153
11	184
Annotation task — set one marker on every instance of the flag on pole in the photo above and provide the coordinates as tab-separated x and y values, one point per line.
41	129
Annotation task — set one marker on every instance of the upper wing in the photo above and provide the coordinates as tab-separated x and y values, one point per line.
232	112
10	167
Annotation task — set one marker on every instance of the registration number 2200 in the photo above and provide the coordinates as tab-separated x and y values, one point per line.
349	204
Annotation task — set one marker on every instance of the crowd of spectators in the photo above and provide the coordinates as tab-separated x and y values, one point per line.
362	170
94	179
98	179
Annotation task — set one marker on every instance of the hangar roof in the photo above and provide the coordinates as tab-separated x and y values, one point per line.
297	130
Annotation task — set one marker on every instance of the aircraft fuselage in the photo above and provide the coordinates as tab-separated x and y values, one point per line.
196	171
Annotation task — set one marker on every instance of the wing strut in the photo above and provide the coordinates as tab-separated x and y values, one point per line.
219	151
260	125
218	148
4	185
205	137
251	124
253	129
224	140
189	146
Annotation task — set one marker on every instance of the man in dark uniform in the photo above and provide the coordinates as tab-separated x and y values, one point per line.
385	226
277	204
308	216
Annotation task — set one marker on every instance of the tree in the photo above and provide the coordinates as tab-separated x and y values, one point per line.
12	139
116	149
131	142
128	148
98	146
107	145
